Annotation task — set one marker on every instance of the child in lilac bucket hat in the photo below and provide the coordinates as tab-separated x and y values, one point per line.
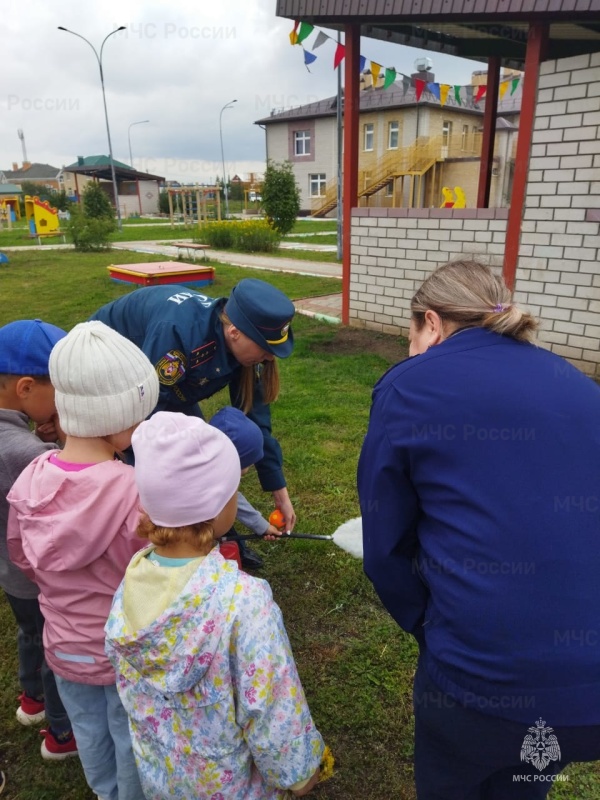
204	666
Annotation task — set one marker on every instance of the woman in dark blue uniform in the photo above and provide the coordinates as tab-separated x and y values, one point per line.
200	344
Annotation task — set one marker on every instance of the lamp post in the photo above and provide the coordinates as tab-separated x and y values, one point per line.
110	155
227	105
141	122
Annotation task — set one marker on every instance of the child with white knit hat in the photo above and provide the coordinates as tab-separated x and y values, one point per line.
204	665
72	529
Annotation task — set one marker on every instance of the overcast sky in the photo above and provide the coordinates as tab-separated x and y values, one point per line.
177	64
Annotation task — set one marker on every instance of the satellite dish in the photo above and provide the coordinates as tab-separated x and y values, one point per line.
423	64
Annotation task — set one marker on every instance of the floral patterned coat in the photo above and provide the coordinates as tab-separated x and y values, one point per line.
216	707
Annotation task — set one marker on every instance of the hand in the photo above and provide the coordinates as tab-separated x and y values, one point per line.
272	533
284	504
50	431
310	785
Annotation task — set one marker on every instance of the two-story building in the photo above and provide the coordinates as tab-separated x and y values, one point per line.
409	150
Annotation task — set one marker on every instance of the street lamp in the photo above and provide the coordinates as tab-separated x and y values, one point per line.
227	105
110	155
141	122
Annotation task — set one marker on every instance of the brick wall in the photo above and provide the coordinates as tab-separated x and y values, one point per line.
558	273
395	249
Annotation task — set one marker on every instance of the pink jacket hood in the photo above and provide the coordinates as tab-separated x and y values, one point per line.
73	533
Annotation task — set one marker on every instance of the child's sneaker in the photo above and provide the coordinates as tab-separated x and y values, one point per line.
55	750
31	711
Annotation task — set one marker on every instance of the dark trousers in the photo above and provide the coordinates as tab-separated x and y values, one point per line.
35	677
462	754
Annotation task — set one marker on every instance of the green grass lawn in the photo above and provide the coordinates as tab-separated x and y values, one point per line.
355	664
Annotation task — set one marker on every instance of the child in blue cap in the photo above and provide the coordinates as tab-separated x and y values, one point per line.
248	441
26	394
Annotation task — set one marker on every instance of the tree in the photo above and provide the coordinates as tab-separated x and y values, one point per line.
280	196
56	199
96	203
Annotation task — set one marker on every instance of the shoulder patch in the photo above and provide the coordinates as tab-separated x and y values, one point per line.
171	368
200	355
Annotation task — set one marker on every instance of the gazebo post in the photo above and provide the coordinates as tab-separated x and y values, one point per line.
489	132
537	39
350	177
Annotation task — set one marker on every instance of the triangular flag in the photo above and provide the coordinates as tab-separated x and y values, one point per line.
457	94
375	70
390	77
481	90
514	84
321	39
434	88
308	58
340	52
405	84
419	86
444	89
502	89
361	64
305	30
293	37
469	93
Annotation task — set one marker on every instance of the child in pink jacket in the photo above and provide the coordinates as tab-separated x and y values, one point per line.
72	530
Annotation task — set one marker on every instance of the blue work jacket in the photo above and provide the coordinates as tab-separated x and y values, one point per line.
479	484
181	333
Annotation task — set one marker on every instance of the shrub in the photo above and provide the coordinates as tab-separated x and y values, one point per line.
96	203
88	233
249	236
280	196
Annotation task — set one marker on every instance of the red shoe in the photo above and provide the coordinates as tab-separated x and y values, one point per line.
55	750
31	711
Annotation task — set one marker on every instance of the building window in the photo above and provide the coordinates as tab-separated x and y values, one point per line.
368	129
302	143
464	145
393	135
389	189
446	133
317	184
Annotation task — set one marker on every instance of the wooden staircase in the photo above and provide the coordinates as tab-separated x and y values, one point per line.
415	161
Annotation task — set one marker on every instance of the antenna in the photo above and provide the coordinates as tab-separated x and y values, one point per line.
21	136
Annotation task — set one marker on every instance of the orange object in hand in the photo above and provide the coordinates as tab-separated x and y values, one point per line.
277	520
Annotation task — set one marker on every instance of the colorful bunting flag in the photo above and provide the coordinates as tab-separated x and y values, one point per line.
419	86
390	77
305	30
457	94
340	52
434	88
469	93
321	39
514	84
406	84
502	89
362	64
444	89
308	58
293	37
375	70
481	90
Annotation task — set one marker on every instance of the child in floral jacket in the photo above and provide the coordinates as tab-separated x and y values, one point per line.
204	666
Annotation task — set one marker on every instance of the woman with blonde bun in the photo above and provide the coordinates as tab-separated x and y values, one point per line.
478	482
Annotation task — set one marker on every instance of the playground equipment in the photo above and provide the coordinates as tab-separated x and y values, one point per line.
453	198
6	214
189	204
41	217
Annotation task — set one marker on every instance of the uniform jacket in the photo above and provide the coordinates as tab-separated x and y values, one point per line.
73	533
19	446
216	707
479	483
180	332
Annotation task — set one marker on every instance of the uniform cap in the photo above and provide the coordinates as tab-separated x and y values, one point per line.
25	346
185	469
264	314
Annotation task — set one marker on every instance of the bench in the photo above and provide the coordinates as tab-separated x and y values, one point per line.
41	236
191	248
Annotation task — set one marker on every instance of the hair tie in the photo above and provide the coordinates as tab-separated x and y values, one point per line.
498	309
